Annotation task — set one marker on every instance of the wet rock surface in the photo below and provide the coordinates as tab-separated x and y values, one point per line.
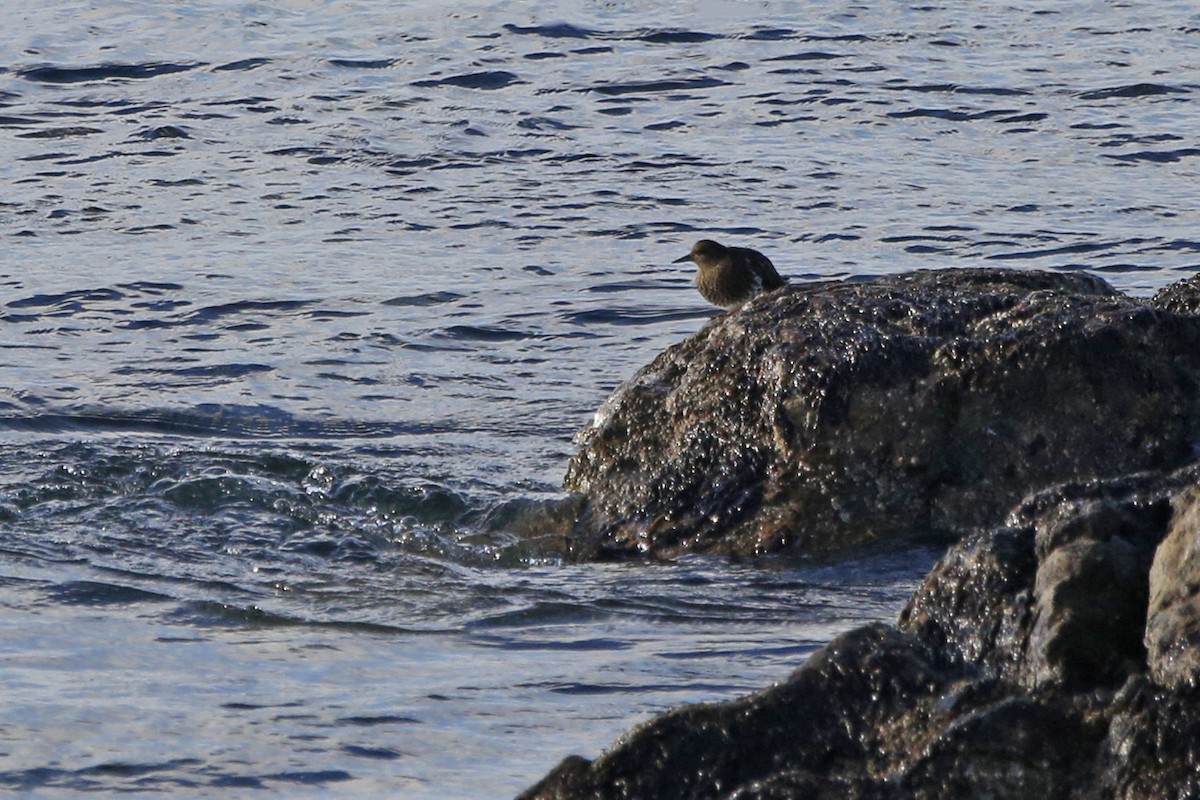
1047	421
824	416
1050	657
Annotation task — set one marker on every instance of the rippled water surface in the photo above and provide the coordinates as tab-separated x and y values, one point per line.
300	304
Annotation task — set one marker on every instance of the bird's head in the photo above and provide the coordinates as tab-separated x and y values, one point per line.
705	253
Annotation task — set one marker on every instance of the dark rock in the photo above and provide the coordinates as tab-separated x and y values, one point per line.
1021	746
1016	670
824	416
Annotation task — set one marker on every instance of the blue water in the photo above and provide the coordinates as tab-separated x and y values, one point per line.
300	305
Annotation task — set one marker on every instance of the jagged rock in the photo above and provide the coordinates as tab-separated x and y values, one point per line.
1059	595
1173	625
823	416
1016	670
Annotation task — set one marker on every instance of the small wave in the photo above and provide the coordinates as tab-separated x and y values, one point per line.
564	30
88	779
1120	268
630	316
221	312
95	593
538	123
427	299
211	313
303	507
219	370
383	719
358	751
673	36
412	163
7	121
1178	245
815	55
1131	90
561	30
350	63
207	420
922	238
151	287
647	87
486	333
53	74
244	64
327	314
162	132
200	421
165	183
1034	116
952	88
1156	156
626	286
1071	249
311	777
60	133
952	115
72	300
497	79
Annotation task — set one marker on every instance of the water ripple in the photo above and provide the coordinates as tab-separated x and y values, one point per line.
300	312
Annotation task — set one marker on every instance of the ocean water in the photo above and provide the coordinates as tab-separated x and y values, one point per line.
301	303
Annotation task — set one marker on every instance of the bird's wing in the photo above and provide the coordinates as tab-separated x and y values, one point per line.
763	268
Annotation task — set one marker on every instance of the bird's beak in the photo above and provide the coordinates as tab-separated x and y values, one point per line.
688	257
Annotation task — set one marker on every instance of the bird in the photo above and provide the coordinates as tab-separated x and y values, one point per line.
729	276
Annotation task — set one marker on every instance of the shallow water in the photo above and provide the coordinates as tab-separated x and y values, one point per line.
301	304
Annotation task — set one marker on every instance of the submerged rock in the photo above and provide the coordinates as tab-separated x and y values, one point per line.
823	416
1052	657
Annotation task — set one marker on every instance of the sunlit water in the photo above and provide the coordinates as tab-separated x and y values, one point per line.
300	304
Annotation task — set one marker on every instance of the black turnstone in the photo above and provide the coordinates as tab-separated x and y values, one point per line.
729	276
